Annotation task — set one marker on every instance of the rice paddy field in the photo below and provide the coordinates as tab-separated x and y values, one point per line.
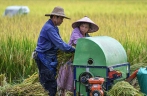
124	20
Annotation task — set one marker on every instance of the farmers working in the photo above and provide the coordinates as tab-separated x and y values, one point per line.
50	41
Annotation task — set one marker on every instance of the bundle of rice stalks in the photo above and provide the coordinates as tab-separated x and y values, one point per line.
3	83
123	88
29	87
2	80
32	79
25	90
63	57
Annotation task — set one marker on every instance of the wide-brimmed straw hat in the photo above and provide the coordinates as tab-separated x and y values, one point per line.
93	26
58	11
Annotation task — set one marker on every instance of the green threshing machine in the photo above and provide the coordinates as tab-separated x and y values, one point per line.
98	63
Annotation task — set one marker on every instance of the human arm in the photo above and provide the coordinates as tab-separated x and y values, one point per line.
55	38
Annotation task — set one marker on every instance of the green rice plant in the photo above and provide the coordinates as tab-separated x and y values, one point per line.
123	20
16	61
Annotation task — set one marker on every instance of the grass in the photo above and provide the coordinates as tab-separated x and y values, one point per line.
123	20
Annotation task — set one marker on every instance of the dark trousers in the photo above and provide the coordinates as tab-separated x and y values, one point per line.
47	78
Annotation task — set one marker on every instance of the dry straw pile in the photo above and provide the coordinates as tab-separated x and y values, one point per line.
123	88
29	87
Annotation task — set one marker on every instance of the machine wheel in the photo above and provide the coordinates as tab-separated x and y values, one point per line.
84	77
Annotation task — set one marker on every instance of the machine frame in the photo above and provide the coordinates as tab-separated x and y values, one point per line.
108	82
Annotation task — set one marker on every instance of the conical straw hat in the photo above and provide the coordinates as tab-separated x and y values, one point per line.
93	26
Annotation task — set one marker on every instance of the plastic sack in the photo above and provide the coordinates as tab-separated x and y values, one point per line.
65	77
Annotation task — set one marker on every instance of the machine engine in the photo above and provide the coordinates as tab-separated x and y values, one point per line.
94	86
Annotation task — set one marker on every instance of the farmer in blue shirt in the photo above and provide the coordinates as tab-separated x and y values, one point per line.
49	42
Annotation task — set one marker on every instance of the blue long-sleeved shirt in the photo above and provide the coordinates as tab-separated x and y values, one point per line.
50	40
